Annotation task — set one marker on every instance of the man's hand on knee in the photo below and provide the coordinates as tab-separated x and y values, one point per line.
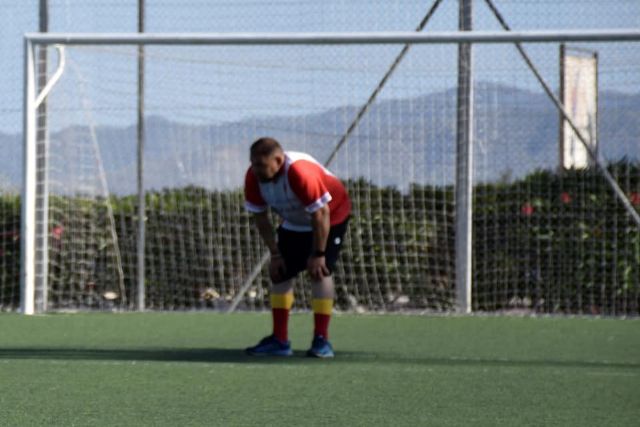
317	267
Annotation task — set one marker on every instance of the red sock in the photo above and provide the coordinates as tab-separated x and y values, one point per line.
321	315
280	323
321	324
280	306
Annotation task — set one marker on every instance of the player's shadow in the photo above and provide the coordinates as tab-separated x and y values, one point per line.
219	355
206	355
194	355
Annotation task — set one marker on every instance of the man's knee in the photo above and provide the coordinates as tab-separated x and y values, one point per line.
282	287
323	288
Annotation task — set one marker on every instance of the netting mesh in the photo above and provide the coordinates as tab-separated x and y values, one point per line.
551	241
545	240
11	147
204	107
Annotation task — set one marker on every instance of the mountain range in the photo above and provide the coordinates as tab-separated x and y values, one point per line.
398	142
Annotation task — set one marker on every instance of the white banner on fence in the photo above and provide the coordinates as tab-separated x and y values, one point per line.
579	89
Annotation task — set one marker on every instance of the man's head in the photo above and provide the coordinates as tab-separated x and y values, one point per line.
267	157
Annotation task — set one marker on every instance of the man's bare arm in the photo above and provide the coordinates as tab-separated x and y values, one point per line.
320	222
316	265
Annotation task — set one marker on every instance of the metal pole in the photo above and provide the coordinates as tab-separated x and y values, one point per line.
597	124
42	190
140	134
27	225
464	164
561	90
381	84
359	38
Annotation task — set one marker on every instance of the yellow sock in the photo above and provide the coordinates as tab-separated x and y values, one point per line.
282	300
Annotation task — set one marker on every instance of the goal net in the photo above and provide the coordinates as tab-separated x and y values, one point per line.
545	238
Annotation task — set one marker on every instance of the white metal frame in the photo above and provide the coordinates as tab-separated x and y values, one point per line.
30	276
398	37
28	243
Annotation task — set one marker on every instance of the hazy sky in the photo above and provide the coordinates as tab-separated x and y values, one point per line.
232	83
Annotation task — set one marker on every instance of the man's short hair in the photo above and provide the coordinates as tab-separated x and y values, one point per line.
265	147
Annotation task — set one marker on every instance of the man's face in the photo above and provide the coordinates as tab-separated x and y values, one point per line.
267	167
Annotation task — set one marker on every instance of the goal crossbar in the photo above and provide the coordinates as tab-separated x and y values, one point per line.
333	37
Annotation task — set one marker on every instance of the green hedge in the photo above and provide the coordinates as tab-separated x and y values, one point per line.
558	242
549	242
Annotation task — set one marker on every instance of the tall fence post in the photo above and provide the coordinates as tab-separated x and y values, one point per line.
141	199
41	260
464	164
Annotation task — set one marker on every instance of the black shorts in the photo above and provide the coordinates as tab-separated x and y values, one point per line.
297	246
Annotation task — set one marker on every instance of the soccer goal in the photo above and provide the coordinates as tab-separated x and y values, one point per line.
137	145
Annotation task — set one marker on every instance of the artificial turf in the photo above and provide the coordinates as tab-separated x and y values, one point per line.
188	369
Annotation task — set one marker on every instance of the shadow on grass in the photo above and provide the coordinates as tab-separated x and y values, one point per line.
217	355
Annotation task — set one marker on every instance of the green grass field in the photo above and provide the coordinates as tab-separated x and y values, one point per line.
185	369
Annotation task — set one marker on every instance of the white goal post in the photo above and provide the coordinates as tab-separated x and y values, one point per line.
35	247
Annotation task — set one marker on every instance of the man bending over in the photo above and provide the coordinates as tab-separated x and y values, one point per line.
314	207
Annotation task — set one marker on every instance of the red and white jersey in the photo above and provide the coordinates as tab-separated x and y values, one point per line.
301	187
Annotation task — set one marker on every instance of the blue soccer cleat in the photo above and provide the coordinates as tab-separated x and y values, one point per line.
270	346
320	347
